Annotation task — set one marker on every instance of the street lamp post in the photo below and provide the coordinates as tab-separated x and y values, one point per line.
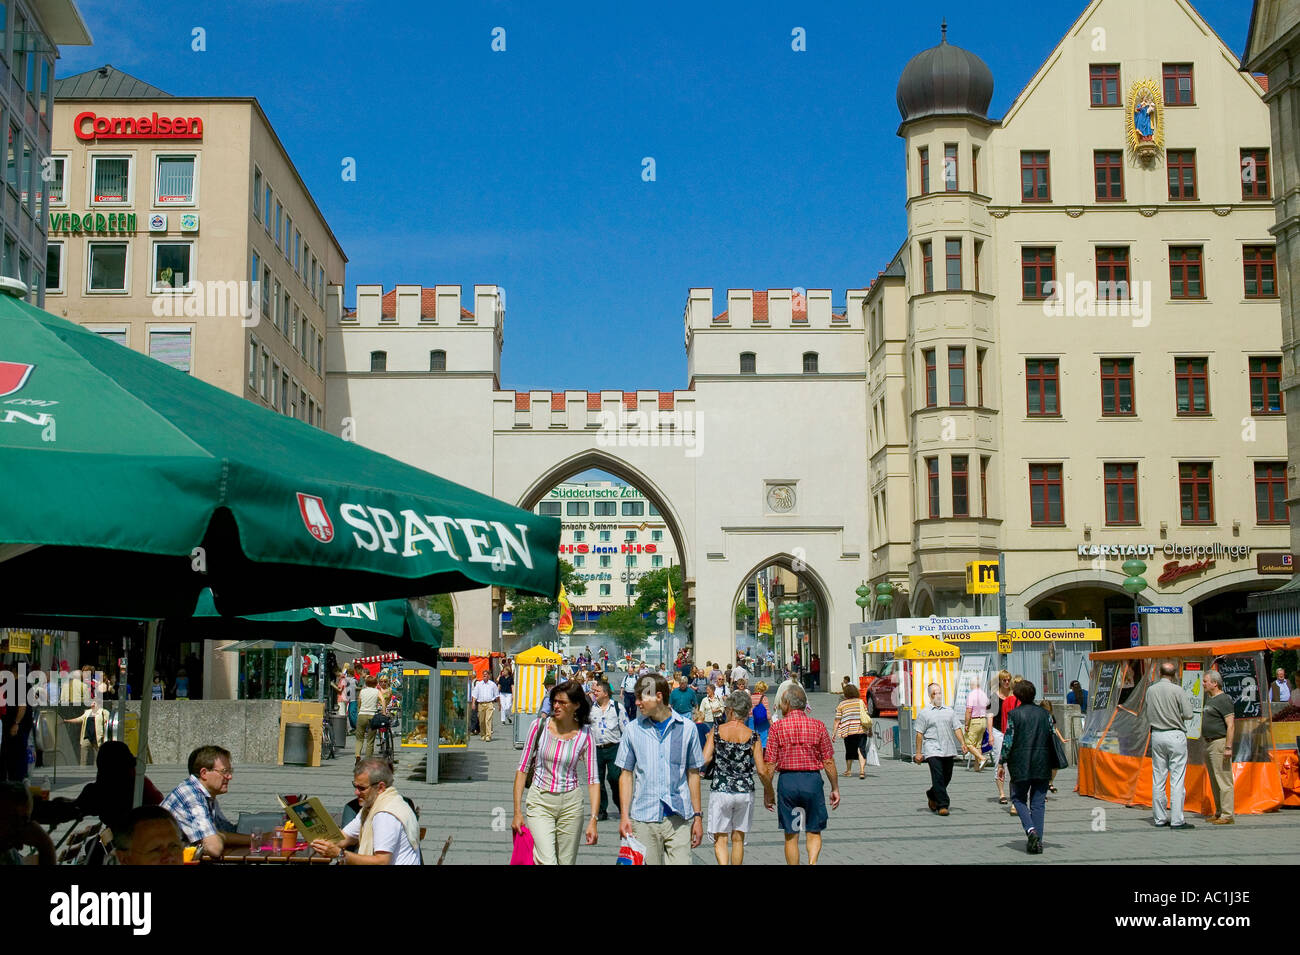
554	617
1135	583
661	619
864	599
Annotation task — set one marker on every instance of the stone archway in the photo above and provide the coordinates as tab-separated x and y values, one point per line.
820	594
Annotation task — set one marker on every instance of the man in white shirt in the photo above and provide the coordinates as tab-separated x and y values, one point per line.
608	719
738	672
780	695
385	832
485	695
1280	690
938	741
629	691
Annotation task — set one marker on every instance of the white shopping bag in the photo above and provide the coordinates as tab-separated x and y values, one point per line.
873	757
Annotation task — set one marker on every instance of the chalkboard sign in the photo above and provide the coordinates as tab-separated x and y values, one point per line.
1241	683
1100	699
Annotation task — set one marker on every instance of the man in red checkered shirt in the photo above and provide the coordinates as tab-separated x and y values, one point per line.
799	747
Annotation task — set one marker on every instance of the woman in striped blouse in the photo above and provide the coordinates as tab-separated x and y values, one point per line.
566	757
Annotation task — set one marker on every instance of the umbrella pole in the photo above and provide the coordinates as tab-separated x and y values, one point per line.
142	748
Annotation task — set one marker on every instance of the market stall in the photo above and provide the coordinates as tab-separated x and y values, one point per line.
531	668
924	660
1114	764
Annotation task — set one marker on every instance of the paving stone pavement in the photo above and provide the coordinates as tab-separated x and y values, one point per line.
882	819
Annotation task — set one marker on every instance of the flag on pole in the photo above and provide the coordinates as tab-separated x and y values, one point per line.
565	624
764	618
672	604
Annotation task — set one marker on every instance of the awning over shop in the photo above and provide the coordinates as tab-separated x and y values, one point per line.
886	644
466	653
1211	648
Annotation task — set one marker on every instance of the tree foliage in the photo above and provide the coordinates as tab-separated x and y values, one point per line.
652	590
527	612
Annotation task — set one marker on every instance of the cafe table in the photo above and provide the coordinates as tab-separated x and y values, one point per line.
245	855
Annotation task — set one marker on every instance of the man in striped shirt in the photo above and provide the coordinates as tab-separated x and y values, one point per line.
659	790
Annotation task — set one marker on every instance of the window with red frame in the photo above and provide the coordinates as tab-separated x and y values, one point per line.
924	153
1181	164
1042	387
1266	386
1192	385
979	375
952	264
1108	175
957	376
984	487
1260	267
1185	272
932	485
927	265
1035	178
1104	82
1038	273
975	169
1254	174
931	378
1046	508
1117	387
979	247
1121	493
950	167
960	485
1179	89
1270	492
1112	273
1196	493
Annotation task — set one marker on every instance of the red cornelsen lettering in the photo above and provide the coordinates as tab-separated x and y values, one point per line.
89	127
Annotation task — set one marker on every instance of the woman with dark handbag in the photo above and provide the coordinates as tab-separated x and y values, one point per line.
1029	751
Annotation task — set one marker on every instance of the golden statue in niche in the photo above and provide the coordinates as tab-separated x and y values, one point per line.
1145	120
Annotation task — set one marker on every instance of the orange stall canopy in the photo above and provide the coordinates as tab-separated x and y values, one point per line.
1114	757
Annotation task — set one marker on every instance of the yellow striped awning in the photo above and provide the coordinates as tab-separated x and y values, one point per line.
886	644
529	688
925	672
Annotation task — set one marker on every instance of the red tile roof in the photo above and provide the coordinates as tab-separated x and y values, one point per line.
1262	80
428	304
557	401
665	401
523	401
593	401
629	400
798	309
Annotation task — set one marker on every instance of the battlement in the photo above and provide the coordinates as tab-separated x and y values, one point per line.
766	308
580	410
413	306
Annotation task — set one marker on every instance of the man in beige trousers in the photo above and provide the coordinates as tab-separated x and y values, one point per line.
1216	730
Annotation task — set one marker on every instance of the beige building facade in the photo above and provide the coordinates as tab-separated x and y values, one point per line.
181	228
1075	357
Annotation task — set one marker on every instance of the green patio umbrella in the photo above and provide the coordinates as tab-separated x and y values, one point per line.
129	487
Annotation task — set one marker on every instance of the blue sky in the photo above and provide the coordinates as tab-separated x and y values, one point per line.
523	168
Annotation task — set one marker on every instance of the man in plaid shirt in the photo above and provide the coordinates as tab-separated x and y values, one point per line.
194	802
799	747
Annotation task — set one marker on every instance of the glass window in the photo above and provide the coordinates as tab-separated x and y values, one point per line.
1117	386
54	267
604	560
604	537
175	181
252	364
1192	385
653	511
1181	164
748	363
931	378
1254	174
171	347
1042	386
257	194
950	167
106	266
1108	175
1038	273
957	376
960	485
30	185
46	69
1178	85
1259	265
1112	273
579	536
15	138
1196	493
438	360
1104	83
1121	493
263	381
580	560
1270	492
927	266
606	509
1185	272
266	204
657	560
810	363
577	508
1266	386
633	508
56	169
549	508
1046	507
111	179
924	154
952	262
1035	180
629	536
604	590
279	222
932	486
172	266
631	560
297	251
288	238
656	536
379	362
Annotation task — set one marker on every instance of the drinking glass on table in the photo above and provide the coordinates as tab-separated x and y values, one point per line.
256	838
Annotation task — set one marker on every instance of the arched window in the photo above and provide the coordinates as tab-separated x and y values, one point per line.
437	360
810	363
748	363
379	361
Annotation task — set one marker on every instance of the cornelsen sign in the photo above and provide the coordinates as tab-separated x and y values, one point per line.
89	127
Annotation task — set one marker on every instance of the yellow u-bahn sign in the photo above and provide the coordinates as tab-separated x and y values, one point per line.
982	577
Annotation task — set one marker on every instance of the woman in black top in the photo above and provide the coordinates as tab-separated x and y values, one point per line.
506	687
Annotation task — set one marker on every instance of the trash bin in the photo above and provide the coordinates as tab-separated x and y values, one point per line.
297	744
339	730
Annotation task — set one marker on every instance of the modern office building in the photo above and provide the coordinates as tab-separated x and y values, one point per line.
180	227
31	32
1075	356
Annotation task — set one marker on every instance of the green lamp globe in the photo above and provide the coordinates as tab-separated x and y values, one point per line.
1134	568
884	599
1135	585
863	590
885	588
863	601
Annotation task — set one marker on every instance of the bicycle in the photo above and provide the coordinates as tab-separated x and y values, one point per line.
383	727
327	748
